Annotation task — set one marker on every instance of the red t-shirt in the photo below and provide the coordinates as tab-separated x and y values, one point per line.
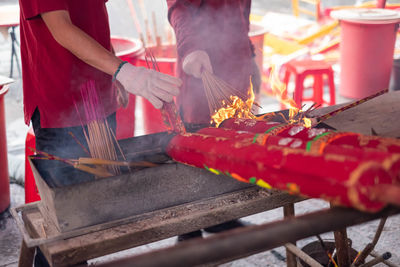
219	27
53	76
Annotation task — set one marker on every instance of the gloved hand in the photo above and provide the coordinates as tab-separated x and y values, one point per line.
152	85
122	94
196	62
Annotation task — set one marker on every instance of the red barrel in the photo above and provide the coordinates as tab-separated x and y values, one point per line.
366	50
256	34
4	179
166	59
127	50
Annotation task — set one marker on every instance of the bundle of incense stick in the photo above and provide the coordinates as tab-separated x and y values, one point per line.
99	137
218	92
170	115
98	170
92	165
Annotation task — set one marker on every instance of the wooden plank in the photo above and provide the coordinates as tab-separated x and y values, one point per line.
380	113
25	255
289	212
157	225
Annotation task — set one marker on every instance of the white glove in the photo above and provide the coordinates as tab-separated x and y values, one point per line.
196	62
152	85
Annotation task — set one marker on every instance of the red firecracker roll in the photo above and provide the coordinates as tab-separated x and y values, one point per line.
340	179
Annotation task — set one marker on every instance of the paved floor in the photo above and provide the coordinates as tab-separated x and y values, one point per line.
121	24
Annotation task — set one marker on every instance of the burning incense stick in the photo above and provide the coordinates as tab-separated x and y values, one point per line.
79	143
170	115
98	134
218	91
225	101
98	171
356	103
94	161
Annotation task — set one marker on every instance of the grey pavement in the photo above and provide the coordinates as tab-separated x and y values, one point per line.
122	25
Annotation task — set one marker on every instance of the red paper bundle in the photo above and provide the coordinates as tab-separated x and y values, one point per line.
340	179
316	138
389	161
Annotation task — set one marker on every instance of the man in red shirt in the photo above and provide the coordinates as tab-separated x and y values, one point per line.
65	44
211	35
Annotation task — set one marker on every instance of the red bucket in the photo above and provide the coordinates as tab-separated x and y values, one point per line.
4	179
166	59
256	34
366	50
127	50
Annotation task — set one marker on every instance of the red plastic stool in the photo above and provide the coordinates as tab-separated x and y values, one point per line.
31	191
316	68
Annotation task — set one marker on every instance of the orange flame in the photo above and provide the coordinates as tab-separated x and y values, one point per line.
279	90
237	108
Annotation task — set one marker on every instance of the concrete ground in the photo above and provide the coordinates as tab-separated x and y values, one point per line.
122	25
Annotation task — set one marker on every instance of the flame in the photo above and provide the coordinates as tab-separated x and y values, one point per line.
237	108
307	122
279	90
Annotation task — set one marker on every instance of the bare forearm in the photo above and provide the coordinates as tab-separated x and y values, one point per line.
79	43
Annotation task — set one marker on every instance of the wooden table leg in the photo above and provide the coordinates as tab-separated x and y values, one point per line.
342	247
26	255
288	211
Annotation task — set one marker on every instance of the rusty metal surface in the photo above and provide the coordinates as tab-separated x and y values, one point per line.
102	200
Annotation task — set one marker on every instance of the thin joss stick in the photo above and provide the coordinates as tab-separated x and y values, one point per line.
154	61
79	143
213	104
147	61
208	95
97	133
351	105
171	118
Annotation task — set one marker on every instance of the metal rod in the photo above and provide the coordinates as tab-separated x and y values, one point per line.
302	255
252	239
379	259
